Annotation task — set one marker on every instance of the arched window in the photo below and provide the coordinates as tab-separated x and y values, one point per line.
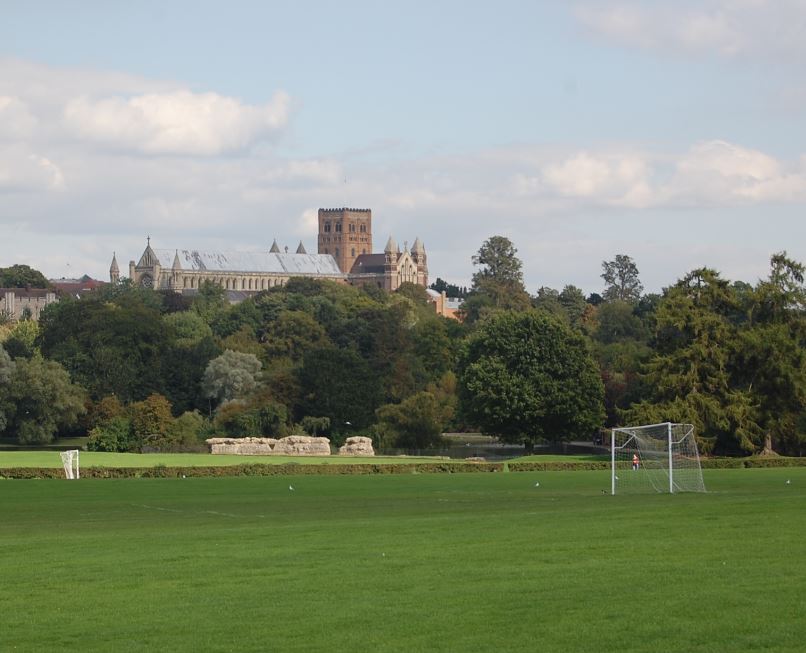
352	228
327	227
338	227
337	252
352	252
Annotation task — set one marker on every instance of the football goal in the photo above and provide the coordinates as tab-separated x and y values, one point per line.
70	462
655	458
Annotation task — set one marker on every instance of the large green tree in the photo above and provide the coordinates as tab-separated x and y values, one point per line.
108	347
689	375
498	283
528	377
621	278
38	400
232	375
22	276
769	359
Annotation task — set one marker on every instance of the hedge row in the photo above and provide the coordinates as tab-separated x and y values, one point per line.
558	466
296	469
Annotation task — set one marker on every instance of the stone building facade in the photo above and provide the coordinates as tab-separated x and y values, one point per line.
344	255
18	303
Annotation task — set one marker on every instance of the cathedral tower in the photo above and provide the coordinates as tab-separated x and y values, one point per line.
345	234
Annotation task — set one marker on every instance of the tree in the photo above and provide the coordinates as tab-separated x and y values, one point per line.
340	385
618	323
689	375
415	423
621	277
769	358
231	375
40	400
451	290
114	434
21	340
151	420
498	285
6	371
578	311
292	334
414	292
109	346
528	377
22	276
188	328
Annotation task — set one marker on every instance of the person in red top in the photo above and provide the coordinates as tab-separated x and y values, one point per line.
635	461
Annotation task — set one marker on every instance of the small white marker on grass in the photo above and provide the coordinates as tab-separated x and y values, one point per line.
291	487
537	484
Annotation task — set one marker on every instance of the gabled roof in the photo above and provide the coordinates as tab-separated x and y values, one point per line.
321	264
369	264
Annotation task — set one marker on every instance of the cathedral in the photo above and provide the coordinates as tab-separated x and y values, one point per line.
344	255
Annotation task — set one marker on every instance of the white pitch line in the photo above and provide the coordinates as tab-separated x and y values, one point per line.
142	505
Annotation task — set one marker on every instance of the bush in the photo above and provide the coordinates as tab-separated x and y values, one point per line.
113	435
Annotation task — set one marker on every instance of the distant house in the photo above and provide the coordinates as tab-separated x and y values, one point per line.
444	305
77	287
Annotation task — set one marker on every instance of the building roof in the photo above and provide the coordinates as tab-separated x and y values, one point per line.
320	264
369	264
27	292
73	286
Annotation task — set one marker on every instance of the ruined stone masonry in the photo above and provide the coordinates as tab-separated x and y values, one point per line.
293	445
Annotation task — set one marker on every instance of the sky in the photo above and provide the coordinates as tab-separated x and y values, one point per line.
669	132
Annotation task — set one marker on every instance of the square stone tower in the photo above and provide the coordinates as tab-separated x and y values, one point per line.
345	234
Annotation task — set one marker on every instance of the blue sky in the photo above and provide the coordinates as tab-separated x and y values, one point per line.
672	132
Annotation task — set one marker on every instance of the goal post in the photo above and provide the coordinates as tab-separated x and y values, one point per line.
655	458
70	463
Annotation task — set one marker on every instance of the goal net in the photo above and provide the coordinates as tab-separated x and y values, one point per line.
70	462
655	458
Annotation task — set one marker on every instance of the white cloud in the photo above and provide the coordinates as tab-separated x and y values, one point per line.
16	122
176	123
24	171
619	180
728	28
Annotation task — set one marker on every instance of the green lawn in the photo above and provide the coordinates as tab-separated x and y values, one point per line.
10	459
426	562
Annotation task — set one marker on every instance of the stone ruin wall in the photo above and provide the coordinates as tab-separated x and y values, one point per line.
293	445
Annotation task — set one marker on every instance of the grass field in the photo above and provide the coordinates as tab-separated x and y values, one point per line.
9	459
443	562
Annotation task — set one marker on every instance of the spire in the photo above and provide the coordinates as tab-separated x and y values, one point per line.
274	249
391	246
177	265
417	247
301	249
114	270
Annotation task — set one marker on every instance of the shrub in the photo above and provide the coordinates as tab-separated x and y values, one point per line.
113	435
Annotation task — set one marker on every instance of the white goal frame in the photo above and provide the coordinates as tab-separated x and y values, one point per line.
661	457
70	463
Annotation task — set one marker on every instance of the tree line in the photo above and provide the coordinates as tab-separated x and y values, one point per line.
139	369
